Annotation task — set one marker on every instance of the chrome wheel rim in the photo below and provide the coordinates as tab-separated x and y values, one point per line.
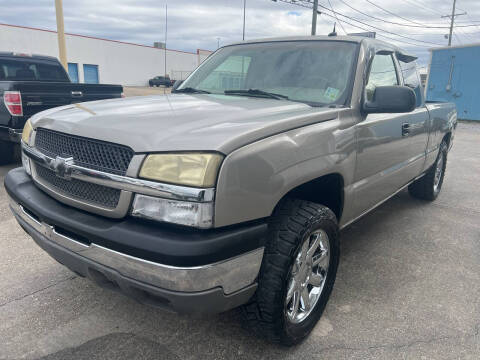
438	173
307	277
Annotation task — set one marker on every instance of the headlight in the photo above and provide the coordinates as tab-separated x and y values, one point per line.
192	169
27	132
186	213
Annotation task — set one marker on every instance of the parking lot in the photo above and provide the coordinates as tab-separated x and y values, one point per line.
408	287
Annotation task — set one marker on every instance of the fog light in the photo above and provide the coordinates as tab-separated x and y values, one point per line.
26	164
186	213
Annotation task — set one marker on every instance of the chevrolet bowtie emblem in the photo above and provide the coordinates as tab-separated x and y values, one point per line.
62	167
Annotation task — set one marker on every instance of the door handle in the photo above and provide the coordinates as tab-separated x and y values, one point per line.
405	129
77	94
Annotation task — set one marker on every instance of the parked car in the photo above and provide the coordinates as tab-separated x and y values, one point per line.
160	81
216	197
30	84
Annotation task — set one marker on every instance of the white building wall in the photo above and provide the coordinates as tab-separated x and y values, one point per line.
118	62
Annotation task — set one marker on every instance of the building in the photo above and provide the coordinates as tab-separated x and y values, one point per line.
454	76
95	60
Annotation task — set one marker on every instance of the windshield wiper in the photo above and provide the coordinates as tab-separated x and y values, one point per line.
190	90
257	93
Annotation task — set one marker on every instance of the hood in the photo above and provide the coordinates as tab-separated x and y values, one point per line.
181	122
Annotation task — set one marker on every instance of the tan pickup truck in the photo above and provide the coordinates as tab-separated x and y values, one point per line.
232	191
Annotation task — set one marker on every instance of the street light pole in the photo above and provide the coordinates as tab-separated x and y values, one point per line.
314	17
62	49
244	9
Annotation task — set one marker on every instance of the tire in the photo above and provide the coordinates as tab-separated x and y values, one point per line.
7	150
293	224
429	186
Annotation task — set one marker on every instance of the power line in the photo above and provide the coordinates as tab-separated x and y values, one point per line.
392	22
391	13
414	22
334	13
380	29
417	4
304	4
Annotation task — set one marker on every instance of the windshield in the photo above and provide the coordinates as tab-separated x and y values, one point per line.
314	72
31	70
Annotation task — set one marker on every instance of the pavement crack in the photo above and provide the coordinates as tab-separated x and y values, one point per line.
37	291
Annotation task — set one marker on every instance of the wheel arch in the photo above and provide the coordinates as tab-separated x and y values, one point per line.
447	137
327	190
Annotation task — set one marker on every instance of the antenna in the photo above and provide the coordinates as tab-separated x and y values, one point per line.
334	32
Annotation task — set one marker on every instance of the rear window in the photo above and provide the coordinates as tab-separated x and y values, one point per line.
31	70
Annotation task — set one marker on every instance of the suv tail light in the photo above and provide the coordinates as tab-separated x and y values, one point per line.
13	102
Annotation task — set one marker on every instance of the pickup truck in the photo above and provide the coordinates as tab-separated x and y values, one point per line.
30	84
232	191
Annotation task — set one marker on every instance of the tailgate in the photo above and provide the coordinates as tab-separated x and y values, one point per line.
90	92
38	96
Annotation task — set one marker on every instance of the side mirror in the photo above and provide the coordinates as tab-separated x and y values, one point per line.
176	85
391	99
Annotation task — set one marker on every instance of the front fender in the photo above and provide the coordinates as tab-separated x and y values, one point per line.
254	178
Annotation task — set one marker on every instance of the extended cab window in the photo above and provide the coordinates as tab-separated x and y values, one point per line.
382	73
412	79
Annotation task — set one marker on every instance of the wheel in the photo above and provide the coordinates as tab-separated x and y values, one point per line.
297	273
6	152
428	186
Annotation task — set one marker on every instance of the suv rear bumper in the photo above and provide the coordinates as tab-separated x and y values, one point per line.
200	287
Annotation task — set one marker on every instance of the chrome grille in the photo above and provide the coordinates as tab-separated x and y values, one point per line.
84	191
89	153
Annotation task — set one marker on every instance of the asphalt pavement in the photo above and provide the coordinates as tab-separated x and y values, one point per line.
408	287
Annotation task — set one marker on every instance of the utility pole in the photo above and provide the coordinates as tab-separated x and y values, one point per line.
166	32
62	49
244	9
314	17
452	20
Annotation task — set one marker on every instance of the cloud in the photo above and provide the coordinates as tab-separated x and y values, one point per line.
196	24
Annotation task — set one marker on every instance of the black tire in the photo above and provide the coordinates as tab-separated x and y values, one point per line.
427	187
7	150
291	224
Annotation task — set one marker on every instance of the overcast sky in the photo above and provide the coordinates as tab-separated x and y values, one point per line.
196	24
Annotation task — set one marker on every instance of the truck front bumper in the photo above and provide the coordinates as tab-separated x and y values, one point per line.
194	276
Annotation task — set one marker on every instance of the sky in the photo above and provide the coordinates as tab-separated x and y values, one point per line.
194	24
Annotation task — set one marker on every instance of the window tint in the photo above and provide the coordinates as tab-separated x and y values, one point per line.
27	70
382	73
411	79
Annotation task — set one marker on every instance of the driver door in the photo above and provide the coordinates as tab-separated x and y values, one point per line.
383	147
